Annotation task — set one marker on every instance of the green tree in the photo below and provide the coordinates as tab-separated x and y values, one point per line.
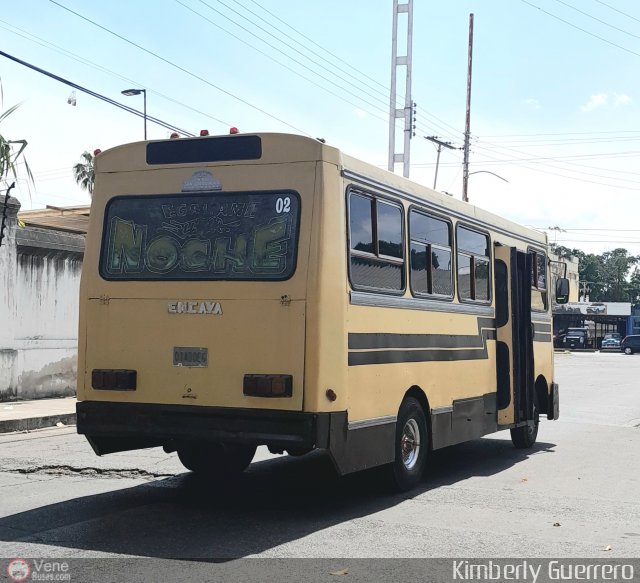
616	265
634	286
83	172
590	275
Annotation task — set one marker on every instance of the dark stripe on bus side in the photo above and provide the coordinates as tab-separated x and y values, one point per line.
542	327
435	347
541	332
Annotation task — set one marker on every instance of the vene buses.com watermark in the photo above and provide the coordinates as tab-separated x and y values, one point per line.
20	570
532	571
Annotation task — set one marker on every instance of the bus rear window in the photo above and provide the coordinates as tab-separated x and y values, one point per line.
226	236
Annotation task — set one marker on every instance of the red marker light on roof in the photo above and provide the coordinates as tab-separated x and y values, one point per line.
174	135
204	132
97	151
234	130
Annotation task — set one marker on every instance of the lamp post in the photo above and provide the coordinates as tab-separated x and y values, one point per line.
440	145
129	93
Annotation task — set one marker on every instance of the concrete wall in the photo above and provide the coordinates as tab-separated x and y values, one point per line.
39	283
8	352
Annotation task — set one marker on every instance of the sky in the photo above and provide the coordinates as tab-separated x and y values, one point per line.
555	118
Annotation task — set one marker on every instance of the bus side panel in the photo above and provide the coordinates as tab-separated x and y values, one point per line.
445	372
326	339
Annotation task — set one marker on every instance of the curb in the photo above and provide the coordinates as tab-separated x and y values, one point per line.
30	423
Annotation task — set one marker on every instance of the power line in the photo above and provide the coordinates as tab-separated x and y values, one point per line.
53	47
382	100
592	229
618	11
279	50
560	134
282	32
324	88
314	43
96	95
384	87
176	66
578	28
635	189
597	19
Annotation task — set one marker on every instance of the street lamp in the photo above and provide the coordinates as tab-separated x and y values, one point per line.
487	172
129	93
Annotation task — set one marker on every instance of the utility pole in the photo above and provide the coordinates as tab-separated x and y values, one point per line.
441	145
467	127
408	111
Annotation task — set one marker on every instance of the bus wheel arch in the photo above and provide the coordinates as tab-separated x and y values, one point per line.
542	394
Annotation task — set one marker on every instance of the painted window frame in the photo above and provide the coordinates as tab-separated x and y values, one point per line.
472	256
451	249
375	199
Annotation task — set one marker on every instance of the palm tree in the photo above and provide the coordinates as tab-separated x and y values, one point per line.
8	155
8	164
83	172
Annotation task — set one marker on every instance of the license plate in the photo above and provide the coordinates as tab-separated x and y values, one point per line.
190	356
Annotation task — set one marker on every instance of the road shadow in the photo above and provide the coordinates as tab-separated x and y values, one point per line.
274	502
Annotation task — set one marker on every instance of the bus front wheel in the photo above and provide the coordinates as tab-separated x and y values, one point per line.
411	446
525	436
216	459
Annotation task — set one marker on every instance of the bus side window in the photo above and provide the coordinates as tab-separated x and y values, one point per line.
376	244
539	294
474	268
430	261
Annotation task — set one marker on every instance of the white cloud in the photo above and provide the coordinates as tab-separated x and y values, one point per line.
621	99
532	103
595	101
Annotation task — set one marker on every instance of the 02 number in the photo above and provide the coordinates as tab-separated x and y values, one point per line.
283	205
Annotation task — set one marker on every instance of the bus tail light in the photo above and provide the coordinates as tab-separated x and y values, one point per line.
106	379
267	385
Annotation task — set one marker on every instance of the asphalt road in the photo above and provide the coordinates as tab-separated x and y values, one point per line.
575	494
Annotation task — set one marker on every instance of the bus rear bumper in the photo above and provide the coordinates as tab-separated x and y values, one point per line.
111	427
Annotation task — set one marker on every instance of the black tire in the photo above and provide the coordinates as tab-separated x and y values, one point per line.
628	350
525	436
219	460
405	473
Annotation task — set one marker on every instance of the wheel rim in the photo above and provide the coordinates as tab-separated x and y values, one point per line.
410	444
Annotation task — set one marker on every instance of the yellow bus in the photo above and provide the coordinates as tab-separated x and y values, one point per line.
267	289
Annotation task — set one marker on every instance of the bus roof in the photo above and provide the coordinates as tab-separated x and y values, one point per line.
277	148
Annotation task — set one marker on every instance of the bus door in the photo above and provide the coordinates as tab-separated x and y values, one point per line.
514	338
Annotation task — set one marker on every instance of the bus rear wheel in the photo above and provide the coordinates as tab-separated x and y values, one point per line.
411	446
220	460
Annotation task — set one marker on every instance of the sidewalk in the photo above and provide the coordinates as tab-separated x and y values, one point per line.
27	415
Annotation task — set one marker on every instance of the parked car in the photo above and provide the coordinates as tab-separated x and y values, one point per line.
630	344
576	338
610	342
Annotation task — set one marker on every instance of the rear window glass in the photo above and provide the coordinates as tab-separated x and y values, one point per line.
197	150
225	236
